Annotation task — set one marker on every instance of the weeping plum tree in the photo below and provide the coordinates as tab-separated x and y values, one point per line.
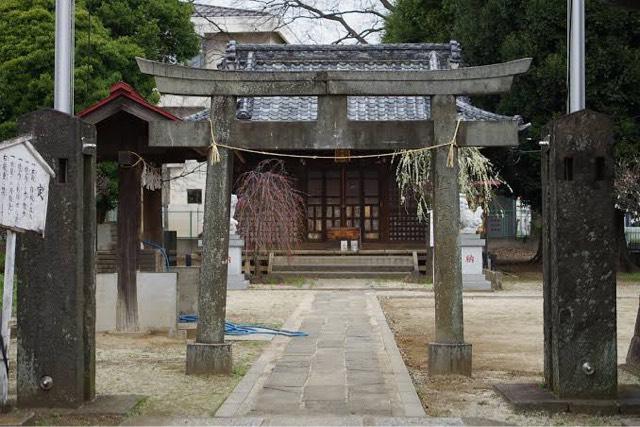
270	210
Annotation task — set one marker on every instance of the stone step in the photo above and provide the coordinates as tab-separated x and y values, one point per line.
363	260
344	274
297	420
342	267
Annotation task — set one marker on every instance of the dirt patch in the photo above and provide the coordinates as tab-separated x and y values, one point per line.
508	251
153	365
506	333
262	306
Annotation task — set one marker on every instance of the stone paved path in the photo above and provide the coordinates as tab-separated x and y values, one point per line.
348	365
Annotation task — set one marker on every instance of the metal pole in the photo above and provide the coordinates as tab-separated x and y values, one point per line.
576	30
63	86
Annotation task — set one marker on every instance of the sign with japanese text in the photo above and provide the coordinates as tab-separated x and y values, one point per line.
24	186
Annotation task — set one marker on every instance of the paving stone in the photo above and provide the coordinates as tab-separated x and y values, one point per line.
287	379
286	370
371	405
413	421
322	392
192	421
278	400
362	365
334	378
293	364
301	349
325	420
359	354
330	343
342	369
364	390
364	378
333	407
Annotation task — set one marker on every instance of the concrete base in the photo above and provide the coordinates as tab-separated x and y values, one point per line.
237	282
533	397
475	282
209	358
449	359
17	417
118	405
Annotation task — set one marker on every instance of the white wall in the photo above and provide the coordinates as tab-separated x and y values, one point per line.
181	216
157	301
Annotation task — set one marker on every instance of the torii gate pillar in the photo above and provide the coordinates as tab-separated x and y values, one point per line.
448	354
210	353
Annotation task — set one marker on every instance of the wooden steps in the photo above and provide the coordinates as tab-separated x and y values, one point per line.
351	265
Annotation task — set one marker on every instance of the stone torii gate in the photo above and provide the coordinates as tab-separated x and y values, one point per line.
448	354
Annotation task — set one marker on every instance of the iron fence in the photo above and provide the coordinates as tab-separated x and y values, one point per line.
187	223
632	235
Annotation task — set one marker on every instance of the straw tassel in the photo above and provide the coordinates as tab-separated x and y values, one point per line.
452	146
214	154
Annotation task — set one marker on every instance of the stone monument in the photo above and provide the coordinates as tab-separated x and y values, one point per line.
471	247
56	301
579	247
235	278
579	254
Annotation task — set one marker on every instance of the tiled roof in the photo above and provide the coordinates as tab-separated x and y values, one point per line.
124	90
205	10
384	57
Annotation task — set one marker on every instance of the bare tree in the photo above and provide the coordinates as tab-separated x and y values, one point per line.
351	21
319	21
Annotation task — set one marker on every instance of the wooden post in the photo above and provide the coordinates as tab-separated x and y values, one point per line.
129	207
7	305
152	215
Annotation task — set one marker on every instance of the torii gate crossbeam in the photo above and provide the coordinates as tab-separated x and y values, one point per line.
448	354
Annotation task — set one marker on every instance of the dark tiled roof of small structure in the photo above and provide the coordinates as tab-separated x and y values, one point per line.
384	57
205	10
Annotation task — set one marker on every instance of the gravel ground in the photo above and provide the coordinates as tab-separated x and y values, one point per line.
153	365
506	332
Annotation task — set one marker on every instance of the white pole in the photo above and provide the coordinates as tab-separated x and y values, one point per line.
7	304
576	45
63	87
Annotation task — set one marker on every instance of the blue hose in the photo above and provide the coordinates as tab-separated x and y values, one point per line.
162	250
245	329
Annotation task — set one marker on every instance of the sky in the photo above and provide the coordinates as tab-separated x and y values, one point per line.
313	30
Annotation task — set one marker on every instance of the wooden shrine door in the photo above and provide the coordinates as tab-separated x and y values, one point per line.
344	196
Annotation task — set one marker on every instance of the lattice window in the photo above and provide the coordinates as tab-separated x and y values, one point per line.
403	220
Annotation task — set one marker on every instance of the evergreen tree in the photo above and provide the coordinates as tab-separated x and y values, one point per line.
106	48
492	31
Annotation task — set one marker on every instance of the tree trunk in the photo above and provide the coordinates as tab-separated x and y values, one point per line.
625	263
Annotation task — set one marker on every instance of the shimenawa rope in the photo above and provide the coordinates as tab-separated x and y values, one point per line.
214	153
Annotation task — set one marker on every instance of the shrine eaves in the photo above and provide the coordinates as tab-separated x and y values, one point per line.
312	97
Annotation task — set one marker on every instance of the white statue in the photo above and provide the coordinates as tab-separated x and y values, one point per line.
233	223
470	220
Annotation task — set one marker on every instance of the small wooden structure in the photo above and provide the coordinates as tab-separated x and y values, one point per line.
122	123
